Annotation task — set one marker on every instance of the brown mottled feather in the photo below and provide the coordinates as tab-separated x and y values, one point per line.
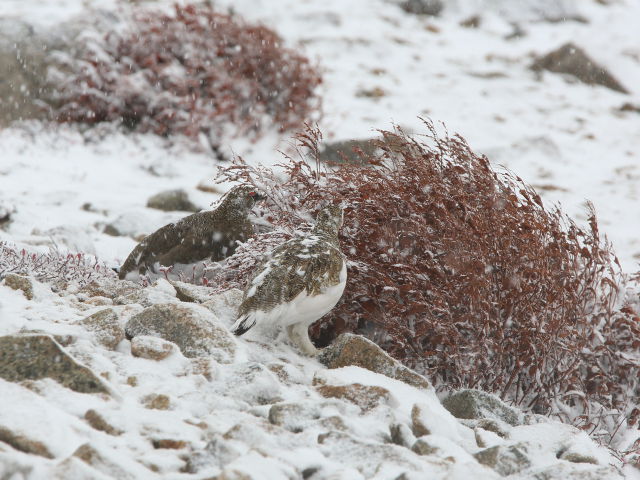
203	236
316	256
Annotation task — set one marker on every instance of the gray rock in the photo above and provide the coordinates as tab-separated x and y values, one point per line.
576	452
625	107
98	301
112	230
33	59
225	304
157	401
347	151
575	457
19	282
109	289
98	422
423	447
474	404
105	464
6	210
218	452
485	438
418	427
253	383
32	357
23	65
64	339
422	7
73	467
194	329
23	443
473	21
106	327
364	396
572	60
161	291
402	435
151	348
505	460
492	425
349	349
188	292
294	416
370	457
172	200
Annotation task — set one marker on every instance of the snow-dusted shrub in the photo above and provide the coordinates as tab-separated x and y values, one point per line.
462	273
52	267
191	72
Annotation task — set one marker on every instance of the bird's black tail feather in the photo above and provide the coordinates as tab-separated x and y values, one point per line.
242	325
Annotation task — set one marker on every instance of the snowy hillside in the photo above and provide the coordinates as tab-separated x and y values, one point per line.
205	404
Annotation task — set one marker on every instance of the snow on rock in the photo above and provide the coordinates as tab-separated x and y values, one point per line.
26	410
504	460
98	422
171	201
351	349
153	348
194	329
477	404
31	357
225	304
19	282
186	399
6	210
106	326
365	397
188	292
572	60
160	292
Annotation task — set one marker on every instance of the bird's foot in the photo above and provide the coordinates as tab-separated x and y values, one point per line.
299	334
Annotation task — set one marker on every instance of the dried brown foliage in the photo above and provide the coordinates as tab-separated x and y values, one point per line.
191	72
461	272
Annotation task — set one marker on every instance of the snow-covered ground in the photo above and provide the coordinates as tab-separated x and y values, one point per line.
253	409
380	66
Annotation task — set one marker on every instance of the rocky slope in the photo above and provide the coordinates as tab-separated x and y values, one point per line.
115	381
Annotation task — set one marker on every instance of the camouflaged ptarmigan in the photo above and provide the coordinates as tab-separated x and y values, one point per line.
299	283
208	236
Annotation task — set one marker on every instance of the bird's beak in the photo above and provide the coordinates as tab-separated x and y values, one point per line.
258	197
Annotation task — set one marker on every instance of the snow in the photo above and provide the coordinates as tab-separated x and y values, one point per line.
62	188
224	417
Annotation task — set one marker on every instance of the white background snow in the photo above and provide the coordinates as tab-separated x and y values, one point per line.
567	138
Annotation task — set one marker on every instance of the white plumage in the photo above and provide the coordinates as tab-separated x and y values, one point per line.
300	282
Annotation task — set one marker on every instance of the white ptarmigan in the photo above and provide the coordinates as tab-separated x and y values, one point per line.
300	282
204	236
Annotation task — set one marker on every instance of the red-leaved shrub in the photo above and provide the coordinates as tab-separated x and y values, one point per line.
462	273
53	267
191	72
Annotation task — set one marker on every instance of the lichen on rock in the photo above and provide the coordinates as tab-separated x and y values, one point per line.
194	329
32	357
